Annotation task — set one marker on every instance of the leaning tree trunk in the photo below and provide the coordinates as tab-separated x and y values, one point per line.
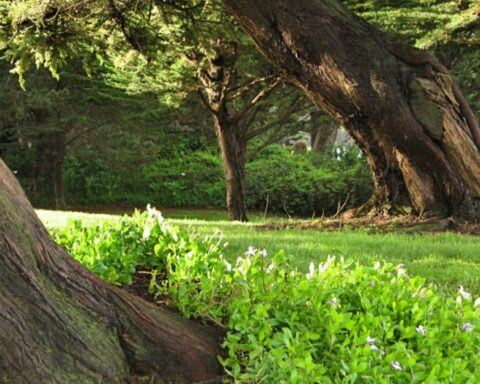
233	150
59	323
401	106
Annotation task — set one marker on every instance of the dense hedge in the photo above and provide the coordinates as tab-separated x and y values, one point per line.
304	184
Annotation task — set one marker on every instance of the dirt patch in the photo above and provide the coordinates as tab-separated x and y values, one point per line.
401	224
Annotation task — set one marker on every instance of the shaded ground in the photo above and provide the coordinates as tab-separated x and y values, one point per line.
403	224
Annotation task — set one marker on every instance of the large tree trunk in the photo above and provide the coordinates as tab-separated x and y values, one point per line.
421	139
59	323
233	149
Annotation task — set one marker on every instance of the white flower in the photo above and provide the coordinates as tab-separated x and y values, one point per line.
311	271
147	232
401	270
377	265
228	265
371	343
396	365
477	303
421	330
251	251
153	212
333	302
184	174
467	327
322	267
263	252
464	294
372	284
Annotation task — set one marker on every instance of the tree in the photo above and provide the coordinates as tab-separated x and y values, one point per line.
60	323
399	103
210	56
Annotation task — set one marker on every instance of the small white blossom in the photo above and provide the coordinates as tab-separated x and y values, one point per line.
466	295
421	330
228	265
184	174
372	284
377	265
371	343
333	302
467	327
396	365
311	271
153	212
251	251
477	303
147	232
263	252
401	271
270	268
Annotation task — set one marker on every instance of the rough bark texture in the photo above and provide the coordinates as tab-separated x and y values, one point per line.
218	79
399	104
322	135
233	148
59	323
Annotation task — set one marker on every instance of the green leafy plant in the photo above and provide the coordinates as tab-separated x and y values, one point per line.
338	322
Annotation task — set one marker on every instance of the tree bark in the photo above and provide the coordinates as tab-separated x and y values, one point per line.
59	323
401	106
218	80
58	159
322	134
233	149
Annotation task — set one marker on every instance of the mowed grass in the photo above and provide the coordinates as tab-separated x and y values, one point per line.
447	259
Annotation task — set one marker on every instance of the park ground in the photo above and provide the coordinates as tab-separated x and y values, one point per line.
446	259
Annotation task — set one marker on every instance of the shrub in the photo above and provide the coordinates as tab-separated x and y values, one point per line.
307	184
339	322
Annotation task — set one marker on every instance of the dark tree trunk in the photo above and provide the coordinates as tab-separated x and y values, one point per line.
58	157
233	148
59	323
218	80
47	173
401	106
322	135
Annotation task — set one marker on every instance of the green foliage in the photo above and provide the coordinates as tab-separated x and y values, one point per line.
295	183
337	323
307	184
116	249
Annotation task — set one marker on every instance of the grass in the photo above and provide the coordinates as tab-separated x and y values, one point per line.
447	260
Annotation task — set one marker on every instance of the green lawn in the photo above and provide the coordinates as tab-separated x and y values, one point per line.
447	259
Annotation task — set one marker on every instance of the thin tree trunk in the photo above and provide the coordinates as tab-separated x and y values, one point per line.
322	135
59	158
233	150
421	139
59	323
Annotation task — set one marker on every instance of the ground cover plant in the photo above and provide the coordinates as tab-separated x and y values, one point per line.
336	321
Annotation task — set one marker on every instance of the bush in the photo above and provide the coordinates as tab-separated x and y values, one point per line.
189	180
337	323
308	184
